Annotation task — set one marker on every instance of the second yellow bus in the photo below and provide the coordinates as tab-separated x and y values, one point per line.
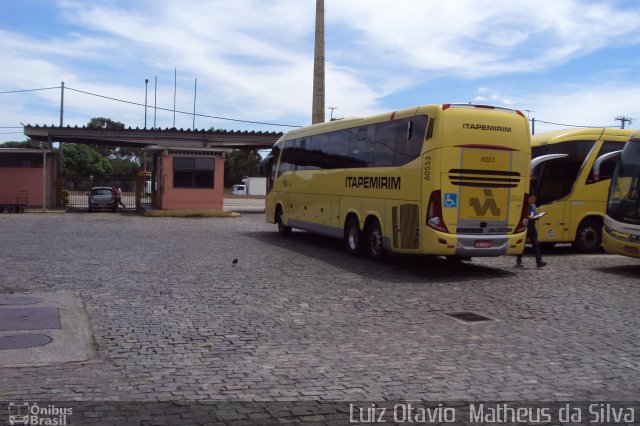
562	177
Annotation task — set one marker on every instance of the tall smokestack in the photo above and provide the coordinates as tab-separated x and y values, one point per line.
317	110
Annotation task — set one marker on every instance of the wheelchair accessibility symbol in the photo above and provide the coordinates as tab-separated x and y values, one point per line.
450	200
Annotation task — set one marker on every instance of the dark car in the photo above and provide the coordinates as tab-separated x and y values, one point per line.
101	198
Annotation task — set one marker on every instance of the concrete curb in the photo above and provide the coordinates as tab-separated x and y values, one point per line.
189	213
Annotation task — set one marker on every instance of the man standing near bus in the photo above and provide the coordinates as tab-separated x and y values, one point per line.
532	232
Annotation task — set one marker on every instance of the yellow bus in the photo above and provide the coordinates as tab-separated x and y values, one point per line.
561	176
622	220
438	179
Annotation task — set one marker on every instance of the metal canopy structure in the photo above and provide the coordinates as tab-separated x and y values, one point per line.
154	138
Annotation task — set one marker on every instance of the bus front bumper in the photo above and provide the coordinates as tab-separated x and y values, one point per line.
617	245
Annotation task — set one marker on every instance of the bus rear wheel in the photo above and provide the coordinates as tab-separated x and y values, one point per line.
282	228
375	242
353	237
588	237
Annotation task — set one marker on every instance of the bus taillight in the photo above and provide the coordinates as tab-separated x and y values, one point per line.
522	224
434	212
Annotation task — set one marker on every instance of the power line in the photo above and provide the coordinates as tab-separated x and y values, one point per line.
160	108
180	112
622	119
28	90
566	125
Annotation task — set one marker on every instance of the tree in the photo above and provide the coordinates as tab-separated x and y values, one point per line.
118	152
101	159
241	163
85	160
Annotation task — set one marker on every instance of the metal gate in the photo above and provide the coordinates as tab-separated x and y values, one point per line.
74	190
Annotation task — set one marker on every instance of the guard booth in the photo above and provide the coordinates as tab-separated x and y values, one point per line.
189	179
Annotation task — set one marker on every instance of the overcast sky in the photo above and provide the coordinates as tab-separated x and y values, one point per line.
573	62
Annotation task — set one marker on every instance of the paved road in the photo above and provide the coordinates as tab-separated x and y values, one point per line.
297	319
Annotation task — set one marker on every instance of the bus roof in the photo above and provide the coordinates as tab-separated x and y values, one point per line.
346	123
589	132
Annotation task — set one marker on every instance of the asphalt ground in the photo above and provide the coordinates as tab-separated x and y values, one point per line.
171	319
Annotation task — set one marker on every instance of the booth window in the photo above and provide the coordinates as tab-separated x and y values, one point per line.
193	172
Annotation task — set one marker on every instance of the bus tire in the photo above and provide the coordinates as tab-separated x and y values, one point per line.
547	246
588	236
282	228
353	237
374	240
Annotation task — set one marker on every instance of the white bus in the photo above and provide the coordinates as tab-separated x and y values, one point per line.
622	221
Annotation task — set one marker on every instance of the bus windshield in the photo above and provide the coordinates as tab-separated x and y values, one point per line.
624	194
555	179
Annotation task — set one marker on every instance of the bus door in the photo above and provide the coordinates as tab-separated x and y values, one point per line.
284	175
548	183
405	223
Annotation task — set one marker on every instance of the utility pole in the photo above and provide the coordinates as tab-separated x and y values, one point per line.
623	120
155	102
532	120
61	149
317	110
175	85
146	85
331	116
61	103
195	90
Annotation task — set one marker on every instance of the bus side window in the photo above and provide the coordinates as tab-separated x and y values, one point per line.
337	149
413	141
386	140
287	158
315	152
361	148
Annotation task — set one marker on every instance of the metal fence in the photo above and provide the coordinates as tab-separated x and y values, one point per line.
75	190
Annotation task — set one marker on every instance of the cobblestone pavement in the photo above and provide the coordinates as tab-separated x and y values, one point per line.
297	319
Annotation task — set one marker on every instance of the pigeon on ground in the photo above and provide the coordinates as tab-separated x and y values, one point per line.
235	261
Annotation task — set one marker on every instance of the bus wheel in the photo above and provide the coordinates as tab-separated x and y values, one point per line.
588	237
282	228
375	243
353	237
547	246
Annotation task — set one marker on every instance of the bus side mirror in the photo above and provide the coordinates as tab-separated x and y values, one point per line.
265	166
595	171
